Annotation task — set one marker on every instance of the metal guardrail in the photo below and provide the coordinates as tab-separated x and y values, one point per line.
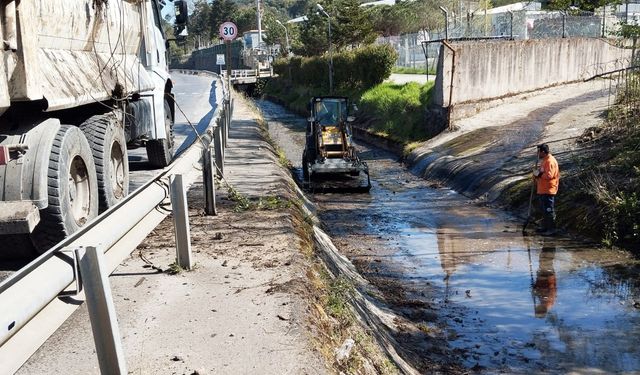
37	299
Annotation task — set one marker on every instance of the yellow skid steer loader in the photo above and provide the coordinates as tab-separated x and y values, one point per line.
330	160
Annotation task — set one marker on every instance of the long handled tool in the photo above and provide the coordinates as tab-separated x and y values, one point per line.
533	187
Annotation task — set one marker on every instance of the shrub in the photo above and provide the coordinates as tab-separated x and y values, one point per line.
361	68
398	110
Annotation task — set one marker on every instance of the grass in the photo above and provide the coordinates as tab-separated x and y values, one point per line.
242	203
411	70
331	314
611	178
174	269
398	110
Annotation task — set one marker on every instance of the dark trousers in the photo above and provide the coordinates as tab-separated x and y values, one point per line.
547	204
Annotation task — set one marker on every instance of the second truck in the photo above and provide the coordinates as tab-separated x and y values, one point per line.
81	82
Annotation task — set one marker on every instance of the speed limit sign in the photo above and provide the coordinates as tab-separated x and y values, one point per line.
228	31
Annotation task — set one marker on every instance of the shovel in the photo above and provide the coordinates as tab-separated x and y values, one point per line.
533	187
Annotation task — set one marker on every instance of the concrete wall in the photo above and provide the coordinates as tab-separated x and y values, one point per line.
495	69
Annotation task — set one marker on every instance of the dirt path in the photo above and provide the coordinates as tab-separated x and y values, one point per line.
243	309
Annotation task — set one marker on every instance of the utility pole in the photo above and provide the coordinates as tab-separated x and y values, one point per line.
330	49
259	24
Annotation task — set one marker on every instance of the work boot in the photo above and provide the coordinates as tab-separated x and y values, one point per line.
548	226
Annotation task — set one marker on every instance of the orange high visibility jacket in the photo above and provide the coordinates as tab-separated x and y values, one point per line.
549	178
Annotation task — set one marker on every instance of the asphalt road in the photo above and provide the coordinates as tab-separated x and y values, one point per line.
196	103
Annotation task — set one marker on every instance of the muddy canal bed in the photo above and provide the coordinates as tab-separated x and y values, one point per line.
472	294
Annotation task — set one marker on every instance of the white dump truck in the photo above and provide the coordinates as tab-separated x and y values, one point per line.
81	82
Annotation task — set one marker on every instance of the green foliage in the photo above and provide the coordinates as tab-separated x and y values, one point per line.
353	26
272	203
621	219
350	27
357	69
409	16
338	300
615	188
374	63
398	109
314	37
410	70
579	5
242	203
174	269
390	20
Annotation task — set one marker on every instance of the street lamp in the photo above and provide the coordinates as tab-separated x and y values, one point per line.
286	36
330	50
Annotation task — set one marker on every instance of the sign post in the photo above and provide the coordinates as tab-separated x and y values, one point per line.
228	31
220	61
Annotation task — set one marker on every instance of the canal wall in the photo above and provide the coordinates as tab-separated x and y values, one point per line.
472	73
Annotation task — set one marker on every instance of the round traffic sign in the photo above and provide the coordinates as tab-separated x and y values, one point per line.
228	31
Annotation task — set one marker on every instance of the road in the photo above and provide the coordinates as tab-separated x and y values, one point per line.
469	291
401	79
196	103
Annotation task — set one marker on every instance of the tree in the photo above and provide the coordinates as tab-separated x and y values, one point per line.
199	21
314	39
390	19
221	11
426	15
352	24
246	19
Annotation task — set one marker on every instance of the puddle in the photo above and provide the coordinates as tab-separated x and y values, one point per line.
501	302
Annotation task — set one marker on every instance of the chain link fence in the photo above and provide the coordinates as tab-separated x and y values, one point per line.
420	50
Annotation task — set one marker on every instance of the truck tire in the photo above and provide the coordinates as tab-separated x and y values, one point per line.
160	151
109	149
72	189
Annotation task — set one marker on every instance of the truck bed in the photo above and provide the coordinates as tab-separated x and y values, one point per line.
72	52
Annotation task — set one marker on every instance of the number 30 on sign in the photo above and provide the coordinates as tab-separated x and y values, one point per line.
228	31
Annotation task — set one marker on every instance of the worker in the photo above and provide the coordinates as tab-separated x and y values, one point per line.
547	176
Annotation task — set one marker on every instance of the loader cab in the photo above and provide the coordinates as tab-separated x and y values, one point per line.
329	130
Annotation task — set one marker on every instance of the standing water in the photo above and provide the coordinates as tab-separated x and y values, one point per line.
472	292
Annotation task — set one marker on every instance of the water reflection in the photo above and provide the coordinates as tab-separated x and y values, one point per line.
504	303
545	287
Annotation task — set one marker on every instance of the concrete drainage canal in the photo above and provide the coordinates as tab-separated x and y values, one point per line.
452	286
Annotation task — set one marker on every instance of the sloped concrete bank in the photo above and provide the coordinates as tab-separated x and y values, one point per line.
491	155
373	317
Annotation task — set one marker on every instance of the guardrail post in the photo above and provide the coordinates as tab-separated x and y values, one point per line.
223	123
209	180
219	150
227	104
102	312
181	222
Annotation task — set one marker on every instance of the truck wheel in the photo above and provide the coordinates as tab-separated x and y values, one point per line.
73	189
160	151
109	149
